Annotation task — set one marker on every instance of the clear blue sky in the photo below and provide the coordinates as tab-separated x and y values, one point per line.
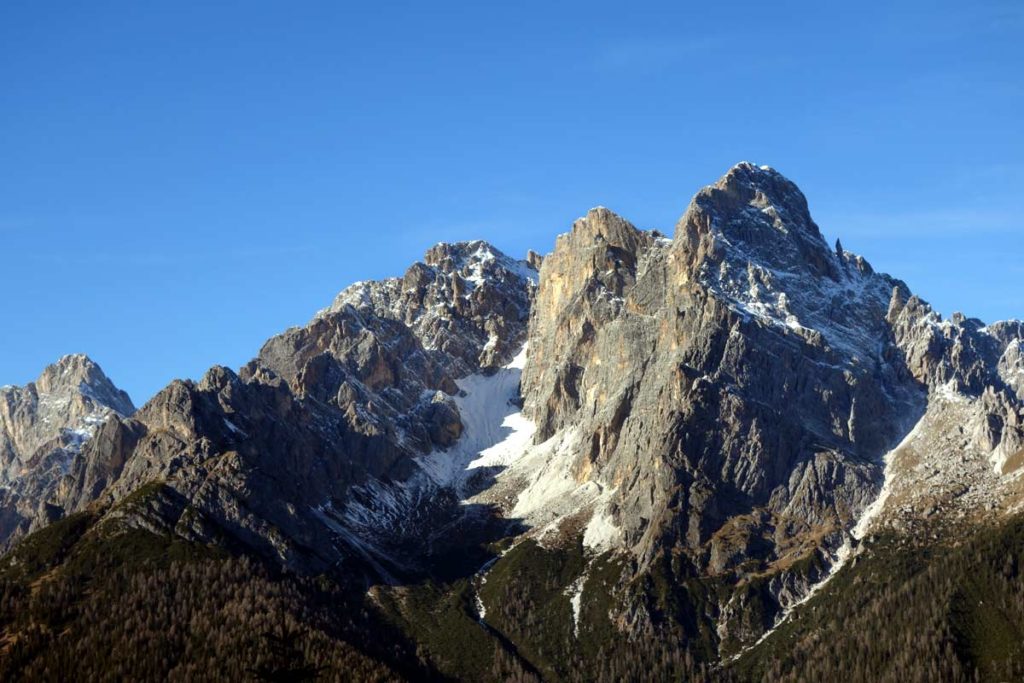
178	183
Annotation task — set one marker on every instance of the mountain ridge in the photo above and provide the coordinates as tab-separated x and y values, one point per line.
724	418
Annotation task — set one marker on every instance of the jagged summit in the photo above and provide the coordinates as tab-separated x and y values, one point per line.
459	299
464	264
78	372
750	239
43	429
763	214
466	253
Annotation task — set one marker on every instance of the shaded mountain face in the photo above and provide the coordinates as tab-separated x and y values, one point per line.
669	437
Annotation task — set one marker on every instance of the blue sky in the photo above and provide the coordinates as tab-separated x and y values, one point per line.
180	182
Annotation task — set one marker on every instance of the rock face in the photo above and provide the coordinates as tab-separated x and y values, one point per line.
728	396
717	407
735	384
43	428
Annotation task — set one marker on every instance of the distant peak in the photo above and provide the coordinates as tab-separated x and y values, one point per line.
464	265
471	250
69	370
75	360
475	260
78	373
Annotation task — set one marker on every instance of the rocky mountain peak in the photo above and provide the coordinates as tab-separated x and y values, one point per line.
599	254
755	214
64	393
763	186
470	259
43	429
461	300
78	373
750	241
603	224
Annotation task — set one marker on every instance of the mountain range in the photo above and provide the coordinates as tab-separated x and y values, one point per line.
735	453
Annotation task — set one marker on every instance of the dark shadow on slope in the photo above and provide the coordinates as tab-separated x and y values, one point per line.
456	541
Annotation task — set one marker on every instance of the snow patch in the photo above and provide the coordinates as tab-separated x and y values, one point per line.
601	533
495	433
545	468
575	592
234	428
480	578
872	511
481	609
948	392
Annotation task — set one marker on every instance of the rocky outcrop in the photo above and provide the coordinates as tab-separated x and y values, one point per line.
467	303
